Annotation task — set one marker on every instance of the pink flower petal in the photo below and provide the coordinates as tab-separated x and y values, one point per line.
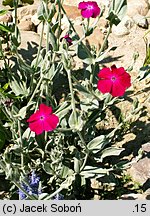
87	13
82	5
114	80
34	117
45	109
89	9
43	120
104	86
36	127
96	12
51	122
117	89
118	71
105	73
125	80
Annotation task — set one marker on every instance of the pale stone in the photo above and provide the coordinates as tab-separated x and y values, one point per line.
140	171
26	10
29	37
96	38
127	22
120	30
6	18
72	11
27	18
35	19
123	28
26	25
140	21
137	7
39	29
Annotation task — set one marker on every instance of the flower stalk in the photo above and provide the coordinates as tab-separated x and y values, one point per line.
72	96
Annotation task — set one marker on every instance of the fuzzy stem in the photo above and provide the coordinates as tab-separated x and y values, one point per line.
38	85
93	66
40	45
15	3
72	95
47	38
16	183
21	143
80	40
84	163
105	40
53	194
24	191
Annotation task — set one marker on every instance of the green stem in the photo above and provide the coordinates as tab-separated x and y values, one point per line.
24	191
80	40
53	194
82	139
86	150
63	129
61	6
59	26
105	40
84	163
16	183
35	91
47	103
15	2
40	45
47	38
93	66
21	59
72	95
48	26
113	3
21	144
87	90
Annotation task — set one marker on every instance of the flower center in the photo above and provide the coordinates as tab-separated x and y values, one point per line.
89	7
42	118
113	78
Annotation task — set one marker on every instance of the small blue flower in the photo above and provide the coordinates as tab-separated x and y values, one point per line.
34	184
33	188
58	197
21	193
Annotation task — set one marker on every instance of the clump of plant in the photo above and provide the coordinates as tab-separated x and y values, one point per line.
51	146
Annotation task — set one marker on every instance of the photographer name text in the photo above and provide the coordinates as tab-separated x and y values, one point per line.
54	207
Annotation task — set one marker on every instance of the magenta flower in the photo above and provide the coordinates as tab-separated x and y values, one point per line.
114	81
68	39
89	9
43	120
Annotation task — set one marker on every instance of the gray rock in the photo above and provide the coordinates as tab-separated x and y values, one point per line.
123	28
26	25
120	30
140	171
140	20
6	18
137	7
146	147
25	10
35	20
